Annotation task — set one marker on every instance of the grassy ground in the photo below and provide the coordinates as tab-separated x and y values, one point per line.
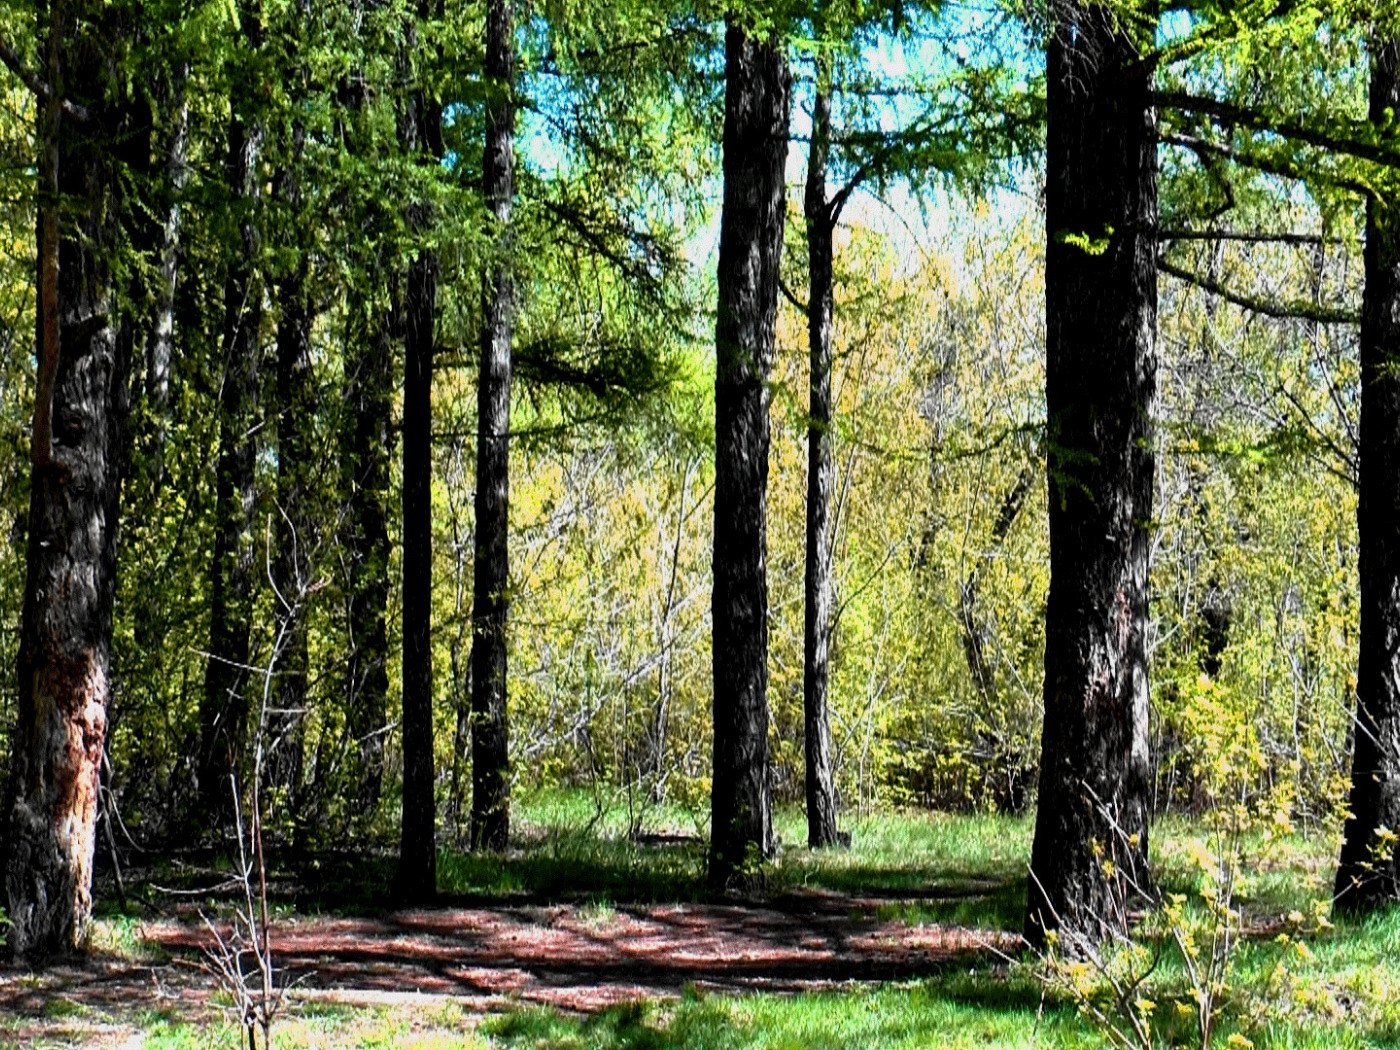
1341	989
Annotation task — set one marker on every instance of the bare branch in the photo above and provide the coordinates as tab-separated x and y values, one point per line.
1248	237
791	297
1285	311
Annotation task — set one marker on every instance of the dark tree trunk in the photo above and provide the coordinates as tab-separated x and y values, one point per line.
756	103
295	529
365	447
65	645
418	847
417	874
1369	873
816	671
224	706
490	598
1101	300
368	396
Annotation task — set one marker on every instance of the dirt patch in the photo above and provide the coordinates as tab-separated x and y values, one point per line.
575	957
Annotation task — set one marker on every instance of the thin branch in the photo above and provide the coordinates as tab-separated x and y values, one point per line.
1249	237
791	297
1284	311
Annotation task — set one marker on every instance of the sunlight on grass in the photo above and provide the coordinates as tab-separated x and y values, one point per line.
317	1027
1295	984
902	1017
572	849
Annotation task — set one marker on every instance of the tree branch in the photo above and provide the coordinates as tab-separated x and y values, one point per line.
37	84
1284	311
1248	237
1203	148
1358	139
791	297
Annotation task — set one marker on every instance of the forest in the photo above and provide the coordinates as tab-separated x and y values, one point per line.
691	524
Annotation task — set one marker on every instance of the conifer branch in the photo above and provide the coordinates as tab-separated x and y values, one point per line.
1355	140
1205	149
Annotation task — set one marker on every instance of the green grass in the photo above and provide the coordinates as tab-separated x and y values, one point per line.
1342	992
962	869
963	1013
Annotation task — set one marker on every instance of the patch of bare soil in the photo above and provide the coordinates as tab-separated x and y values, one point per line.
580	958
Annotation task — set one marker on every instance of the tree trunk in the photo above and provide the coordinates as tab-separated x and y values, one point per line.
66	632
160	343
224	706
1101	295
756	104
490	598
418	847
417	874
1369	873
365	468
295	530
816	672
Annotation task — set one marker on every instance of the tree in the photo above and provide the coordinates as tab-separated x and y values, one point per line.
296	524
1368	874
78	439
1101	299
490	829
756	109
367	432
969	127
171	92
820	215
366	446
422	140
224	707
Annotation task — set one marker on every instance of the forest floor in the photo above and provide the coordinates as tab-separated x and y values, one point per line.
487	958
584	937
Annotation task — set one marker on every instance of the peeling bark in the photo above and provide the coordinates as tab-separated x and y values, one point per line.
65	645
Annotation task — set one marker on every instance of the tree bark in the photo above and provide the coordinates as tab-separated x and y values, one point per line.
1369	873
294	524
816	671
224	706
756	106
1101	294
491	579
365	470
160	343
417	873
66	632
